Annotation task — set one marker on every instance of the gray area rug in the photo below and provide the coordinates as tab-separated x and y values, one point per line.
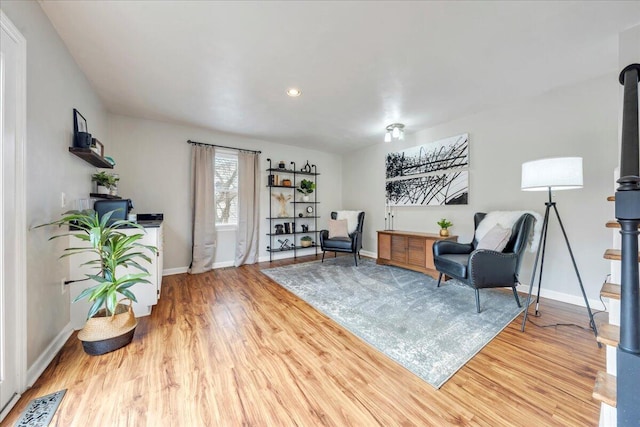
430	331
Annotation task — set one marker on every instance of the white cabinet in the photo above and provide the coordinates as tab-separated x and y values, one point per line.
147	294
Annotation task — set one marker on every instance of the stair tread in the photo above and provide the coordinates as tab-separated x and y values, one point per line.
614	224
604	389
609	334
615	254
610	290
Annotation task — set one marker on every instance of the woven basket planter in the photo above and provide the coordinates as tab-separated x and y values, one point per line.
103	334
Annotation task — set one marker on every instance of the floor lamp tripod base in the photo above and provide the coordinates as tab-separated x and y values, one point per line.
540	257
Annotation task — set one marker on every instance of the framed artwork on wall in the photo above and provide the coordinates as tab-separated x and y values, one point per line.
432	174
79	122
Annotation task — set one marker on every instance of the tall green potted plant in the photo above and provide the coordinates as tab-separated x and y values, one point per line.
110	323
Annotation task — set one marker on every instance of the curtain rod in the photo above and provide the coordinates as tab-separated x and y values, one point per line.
223	146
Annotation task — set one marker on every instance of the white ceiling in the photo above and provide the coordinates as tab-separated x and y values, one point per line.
361	65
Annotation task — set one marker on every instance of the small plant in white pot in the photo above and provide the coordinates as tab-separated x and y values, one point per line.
306	188
106	182
110	323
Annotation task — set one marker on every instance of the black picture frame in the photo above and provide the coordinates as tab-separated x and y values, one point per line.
79	122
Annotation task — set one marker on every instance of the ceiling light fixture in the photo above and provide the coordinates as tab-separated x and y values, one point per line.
395	131
293	92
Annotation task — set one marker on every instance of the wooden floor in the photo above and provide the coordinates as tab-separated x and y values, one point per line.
233	348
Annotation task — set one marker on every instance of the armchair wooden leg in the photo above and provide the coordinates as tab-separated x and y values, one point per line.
515	294
439	280
323	252
477	301
355	258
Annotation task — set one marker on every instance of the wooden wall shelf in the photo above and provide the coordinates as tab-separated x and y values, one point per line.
104	196
89	156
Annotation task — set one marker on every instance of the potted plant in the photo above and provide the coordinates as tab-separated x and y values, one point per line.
110	323
106	182
306	188
444	225
306	241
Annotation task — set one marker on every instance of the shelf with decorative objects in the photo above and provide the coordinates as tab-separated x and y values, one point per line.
91	157
294	230
104	196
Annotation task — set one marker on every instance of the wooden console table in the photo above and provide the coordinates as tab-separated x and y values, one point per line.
409	249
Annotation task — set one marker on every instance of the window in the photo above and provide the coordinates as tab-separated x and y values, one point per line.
226	188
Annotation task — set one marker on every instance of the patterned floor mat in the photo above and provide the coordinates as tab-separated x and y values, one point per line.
41	410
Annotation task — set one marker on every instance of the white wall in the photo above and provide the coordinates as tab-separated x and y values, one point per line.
153	160
55	85
575	121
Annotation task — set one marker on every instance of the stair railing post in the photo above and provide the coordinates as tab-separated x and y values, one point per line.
628	215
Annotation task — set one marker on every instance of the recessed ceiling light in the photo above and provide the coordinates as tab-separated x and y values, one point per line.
293	92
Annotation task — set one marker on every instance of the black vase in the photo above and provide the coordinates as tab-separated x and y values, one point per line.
82	140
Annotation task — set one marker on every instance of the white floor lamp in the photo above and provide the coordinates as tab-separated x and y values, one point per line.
553	174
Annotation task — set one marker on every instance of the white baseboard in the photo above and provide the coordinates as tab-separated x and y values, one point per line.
369	254
172	271
223	264
9	406
38	367
596	305
181	270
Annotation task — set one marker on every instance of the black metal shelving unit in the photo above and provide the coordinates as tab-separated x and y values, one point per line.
290	241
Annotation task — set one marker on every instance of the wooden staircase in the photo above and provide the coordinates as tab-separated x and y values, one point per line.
605	386
615	255
610	290
617	389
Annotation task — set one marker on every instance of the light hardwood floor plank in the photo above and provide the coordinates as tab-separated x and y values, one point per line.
231	348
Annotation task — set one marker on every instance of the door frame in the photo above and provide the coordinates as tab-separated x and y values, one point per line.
20	245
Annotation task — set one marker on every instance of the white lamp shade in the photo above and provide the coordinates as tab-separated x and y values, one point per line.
558	173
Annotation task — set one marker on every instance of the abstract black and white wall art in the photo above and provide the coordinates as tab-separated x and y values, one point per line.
432	174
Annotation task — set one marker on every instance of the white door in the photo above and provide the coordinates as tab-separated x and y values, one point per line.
12	221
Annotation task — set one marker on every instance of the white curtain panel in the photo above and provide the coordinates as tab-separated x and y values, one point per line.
204	208
248	208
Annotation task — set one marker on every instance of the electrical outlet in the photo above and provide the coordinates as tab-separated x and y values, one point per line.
63	287
63	200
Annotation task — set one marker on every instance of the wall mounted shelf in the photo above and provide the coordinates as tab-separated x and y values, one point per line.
91	157
104	196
